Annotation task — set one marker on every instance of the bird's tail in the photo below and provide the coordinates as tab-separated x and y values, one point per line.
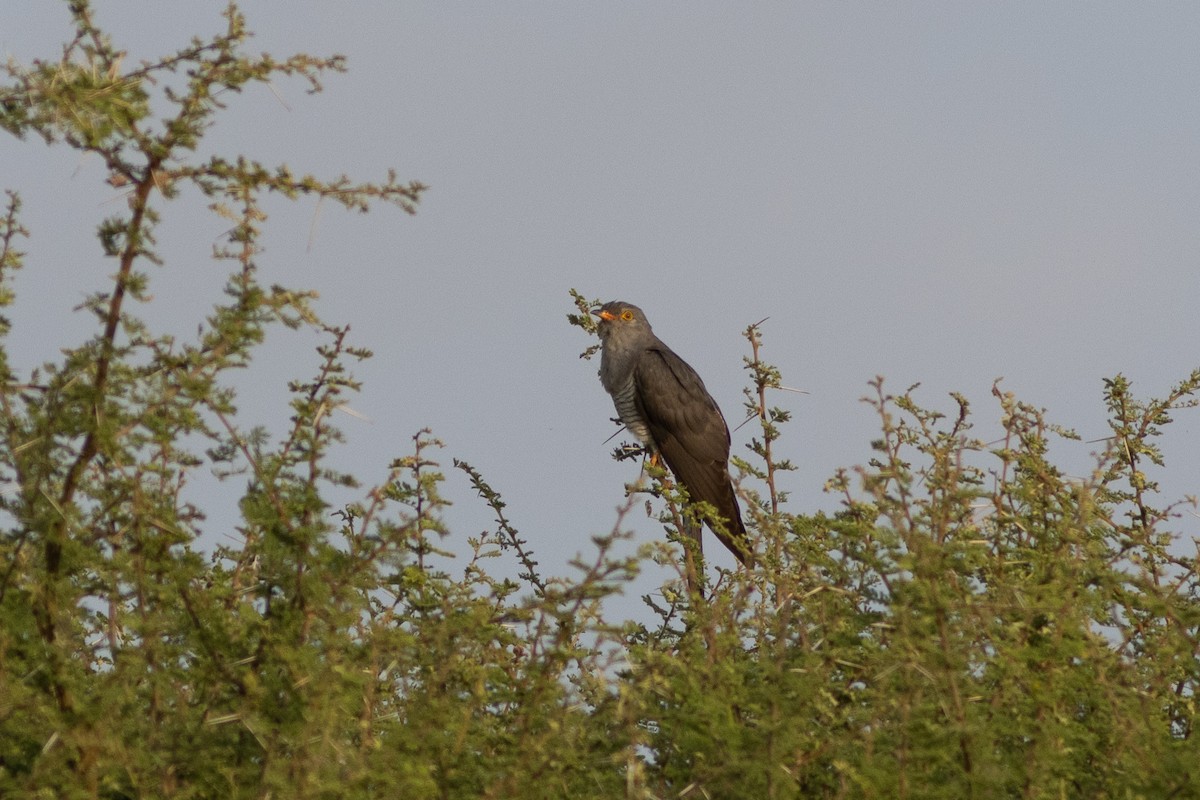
730	529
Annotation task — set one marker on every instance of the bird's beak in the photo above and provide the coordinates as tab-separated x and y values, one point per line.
607	316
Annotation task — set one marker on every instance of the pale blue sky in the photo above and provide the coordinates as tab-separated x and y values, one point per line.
935	192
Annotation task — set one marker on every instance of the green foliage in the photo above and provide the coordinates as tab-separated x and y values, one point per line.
971	622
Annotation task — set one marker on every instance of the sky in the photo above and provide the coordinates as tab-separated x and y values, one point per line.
942	193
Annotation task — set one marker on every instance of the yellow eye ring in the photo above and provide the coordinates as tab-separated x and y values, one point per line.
627	315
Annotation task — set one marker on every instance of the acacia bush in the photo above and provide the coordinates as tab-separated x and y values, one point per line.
970	622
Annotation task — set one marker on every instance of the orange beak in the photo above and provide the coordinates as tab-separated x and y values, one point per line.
605	315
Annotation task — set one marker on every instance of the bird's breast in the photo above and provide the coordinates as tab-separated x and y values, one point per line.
625	400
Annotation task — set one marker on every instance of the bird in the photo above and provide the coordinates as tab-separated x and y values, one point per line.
662	401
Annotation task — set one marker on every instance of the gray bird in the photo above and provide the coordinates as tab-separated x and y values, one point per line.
663	402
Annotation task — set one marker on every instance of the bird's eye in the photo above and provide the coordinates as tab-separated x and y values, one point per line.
627	315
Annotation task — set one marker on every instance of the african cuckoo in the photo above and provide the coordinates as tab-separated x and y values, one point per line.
663	402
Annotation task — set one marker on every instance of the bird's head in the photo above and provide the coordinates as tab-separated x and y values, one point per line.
620	318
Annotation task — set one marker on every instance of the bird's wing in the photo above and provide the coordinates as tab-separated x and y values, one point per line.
688	431
678	409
